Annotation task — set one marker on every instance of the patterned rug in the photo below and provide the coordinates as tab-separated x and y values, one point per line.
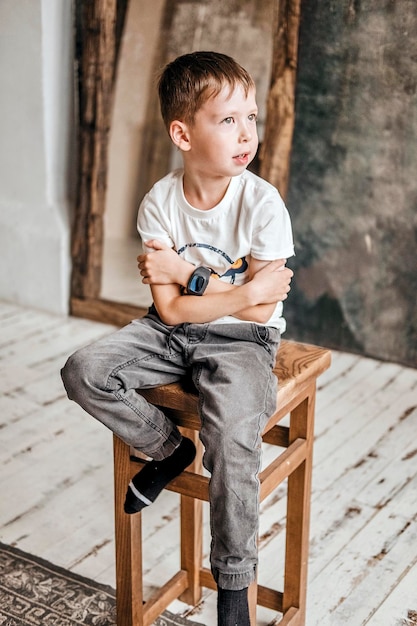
411	619
34	592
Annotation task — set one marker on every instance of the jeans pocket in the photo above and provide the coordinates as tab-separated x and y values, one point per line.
262	333
268	337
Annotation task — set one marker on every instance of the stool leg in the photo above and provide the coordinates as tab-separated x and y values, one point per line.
298	511
128	531
253	601
192	530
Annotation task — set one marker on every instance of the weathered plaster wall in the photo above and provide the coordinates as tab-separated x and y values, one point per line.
36	139
353	187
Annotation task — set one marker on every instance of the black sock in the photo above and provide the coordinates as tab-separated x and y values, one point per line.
147	484
232	607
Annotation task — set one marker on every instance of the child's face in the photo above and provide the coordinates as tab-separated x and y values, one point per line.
223	138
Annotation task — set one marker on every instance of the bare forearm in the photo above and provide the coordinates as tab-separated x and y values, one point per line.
178	309
259	313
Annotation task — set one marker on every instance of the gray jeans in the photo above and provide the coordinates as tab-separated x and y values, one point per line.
231	367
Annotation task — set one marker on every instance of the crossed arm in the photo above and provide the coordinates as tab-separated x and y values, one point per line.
166	273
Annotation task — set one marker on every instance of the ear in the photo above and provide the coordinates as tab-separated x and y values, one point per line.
178	132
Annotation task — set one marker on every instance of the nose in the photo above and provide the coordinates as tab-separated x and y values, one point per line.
245	132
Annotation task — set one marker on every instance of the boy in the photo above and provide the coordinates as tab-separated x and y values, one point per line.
216	241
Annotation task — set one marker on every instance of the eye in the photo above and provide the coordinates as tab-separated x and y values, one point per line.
228	121
253	117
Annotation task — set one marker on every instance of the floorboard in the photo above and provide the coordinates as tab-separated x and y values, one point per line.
56	483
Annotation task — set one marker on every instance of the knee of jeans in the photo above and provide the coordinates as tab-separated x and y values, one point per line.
77	374
229	448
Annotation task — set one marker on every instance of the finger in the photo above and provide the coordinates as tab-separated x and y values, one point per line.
278	265
281	263
156	244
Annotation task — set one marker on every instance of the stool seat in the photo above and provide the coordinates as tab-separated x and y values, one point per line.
298	366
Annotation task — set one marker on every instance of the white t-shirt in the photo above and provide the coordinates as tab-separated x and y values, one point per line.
251	220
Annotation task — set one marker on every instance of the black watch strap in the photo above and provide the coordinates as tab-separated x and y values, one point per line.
198	281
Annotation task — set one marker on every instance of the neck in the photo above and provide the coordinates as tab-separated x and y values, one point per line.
204	193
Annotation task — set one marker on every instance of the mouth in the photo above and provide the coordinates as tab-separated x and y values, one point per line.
242	158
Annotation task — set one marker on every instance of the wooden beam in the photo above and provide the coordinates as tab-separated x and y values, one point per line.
106	311
275	151
99	25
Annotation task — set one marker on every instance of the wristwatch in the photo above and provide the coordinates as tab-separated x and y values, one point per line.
198	281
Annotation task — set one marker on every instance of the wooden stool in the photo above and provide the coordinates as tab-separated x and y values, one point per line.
297	368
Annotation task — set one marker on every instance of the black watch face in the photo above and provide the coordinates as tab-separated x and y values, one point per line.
197	283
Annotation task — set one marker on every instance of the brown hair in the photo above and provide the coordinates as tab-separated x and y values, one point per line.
191	79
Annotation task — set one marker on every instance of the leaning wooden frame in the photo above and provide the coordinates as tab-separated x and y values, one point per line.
99	28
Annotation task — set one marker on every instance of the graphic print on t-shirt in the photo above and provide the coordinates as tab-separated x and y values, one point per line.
236	267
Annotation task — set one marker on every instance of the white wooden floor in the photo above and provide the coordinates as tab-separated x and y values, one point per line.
56	490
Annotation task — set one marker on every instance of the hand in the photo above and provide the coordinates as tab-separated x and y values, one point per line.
163	266
272	282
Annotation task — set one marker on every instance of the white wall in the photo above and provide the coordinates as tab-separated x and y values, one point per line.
36	151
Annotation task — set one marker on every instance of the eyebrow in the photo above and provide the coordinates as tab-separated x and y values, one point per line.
235	112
